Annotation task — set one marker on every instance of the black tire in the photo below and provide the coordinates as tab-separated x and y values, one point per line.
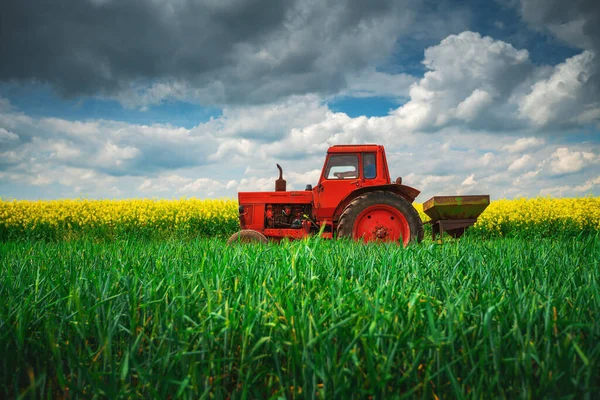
376	198
247	236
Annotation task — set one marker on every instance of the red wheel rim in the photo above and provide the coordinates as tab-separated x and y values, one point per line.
381	223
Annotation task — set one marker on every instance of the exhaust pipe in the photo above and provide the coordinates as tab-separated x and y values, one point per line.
280	184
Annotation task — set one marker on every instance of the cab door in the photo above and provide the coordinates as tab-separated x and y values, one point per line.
340	176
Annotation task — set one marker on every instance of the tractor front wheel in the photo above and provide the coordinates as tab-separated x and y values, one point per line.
381	216
247	236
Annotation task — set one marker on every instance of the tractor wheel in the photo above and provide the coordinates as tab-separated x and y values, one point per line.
247	236
381	216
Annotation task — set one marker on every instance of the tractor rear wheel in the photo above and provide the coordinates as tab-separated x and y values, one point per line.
247	236
381	216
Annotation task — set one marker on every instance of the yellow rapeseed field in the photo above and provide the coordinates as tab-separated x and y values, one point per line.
545	213
157	218
72	218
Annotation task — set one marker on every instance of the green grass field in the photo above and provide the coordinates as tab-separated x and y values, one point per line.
510	318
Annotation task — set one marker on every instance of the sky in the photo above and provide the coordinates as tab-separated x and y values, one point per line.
181	98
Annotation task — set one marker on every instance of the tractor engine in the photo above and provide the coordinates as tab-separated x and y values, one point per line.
285	216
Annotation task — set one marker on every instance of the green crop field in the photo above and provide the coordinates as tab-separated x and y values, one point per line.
513	318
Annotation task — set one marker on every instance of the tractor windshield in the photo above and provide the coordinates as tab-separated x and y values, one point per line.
342	167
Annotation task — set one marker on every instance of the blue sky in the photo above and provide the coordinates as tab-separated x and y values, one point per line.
165	99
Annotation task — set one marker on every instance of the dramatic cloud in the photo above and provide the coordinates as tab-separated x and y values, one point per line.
115	159
470	81
214	51
577	23
561	99
482	118
485	84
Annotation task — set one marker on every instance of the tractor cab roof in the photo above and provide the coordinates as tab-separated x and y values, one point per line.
354	148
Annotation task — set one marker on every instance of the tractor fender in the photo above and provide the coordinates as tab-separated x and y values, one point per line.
407	192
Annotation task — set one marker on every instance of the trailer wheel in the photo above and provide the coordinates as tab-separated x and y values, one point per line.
381	216
247	236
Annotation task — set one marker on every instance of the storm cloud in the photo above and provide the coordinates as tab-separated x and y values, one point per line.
220	51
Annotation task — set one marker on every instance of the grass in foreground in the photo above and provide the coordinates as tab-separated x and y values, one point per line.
314	319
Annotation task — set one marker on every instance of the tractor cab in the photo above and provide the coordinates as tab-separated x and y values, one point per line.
362	162
347	168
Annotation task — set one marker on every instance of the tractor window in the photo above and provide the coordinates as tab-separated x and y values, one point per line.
369	170
342	167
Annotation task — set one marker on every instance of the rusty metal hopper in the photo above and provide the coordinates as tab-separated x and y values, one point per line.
455	207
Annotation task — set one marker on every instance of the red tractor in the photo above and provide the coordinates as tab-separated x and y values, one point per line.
354	198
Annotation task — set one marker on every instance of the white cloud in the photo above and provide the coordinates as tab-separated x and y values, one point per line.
523	144
521	163
234	148
469	108
299	180
469	181
254	184
41	180
428	180
467	74
64	151
114	155
526	178
487	159
335	128
573	190
564	161
7	136
164	183
560	98
76	181
76	129
117	147
9	157
588	185
202	186
268	122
